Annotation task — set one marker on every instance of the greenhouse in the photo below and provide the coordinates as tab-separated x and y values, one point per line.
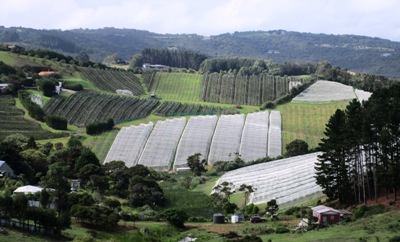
285	180
161	146
129	144
196	138
274	135
254	137
226	140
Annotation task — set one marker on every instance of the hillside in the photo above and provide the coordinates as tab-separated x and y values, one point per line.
356	53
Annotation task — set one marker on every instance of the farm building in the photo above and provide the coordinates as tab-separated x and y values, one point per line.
3	87
46	73
5	170
328	214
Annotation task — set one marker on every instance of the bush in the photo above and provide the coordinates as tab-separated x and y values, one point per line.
57	122
267	105
99	127
174	217
74	87
282	230
395	239
34	110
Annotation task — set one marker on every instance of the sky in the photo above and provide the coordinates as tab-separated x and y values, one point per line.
374	18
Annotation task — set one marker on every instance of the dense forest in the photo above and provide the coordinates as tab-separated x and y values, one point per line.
356	53
360	159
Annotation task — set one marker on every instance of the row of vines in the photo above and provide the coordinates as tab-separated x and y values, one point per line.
182	109
12	122
242	89
87	107
112	80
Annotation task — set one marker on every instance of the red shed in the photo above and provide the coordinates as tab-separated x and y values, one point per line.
326	214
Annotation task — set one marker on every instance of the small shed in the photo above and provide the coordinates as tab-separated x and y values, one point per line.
326	214
5	170
219	218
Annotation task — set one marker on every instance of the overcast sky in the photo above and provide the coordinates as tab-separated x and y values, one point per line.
375	18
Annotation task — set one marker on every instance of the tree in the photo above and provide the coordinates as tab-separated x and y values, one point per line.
272	208
175	217
332	166
247	190
55	179
195	165
47	86
145	191
296	147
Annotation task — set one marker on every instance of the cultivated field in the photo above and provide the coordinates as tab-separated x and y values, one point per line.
217	139
285	180
328	91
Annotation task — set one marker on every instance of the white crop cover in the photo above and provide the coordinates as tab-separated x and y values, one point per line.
129	144
285	180
160	148
226	140
275	135
254	137
196	138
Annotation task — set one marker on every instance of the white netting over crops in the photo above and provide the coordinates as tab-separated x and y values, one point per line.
196	138
326	91
226	140
362	95
285	180
254	137
160	148
275	134
129	144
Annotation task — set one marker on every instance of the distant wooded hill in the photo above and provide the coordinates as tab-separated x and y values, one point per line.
356	53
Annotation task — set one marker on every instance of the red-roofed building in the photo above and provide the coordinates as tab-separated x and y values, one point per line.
326	214
46	73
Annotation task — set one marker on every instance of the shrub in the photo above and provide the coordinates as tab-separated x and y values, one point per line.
282	230
267	105
57	122
174	217
75	87
395	239
99	127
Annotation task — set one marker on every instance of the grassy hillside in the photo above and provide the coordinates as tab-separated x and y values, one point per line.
306	121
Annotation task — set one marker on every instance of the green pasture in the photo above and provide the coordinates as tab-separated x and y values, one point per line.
177	86
306	121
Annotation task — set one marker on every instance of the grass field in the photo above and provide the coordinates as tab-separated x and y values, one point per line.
306	121
101	144
177	86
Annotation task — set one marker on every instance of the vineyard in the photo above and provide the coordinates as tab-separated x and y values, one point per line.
285	180
12	122
173	86
216	139
83	108
112	80
240	89
167	109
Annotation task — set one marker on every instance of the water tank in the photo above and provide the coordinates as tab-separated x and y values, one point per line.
219	218
235	219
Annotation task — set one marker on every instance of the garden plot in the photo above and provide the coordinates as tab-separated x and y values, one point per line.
161	146
129	144
285	180
254	137
196	138
327	91
275	134
226	140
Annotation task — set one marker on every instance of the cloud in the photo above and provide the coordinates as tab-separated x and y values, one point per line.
210	17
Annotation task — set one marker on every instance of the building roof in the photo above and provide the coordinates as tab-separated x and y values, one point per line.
28	189
324	209
2	163
45	73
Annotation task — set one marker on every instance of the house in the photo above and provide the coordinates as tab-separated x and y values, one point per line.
147	66
5	170
326	215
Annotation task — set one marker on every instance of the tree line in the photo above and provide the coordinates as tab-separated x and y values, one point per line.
172	58
361	151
